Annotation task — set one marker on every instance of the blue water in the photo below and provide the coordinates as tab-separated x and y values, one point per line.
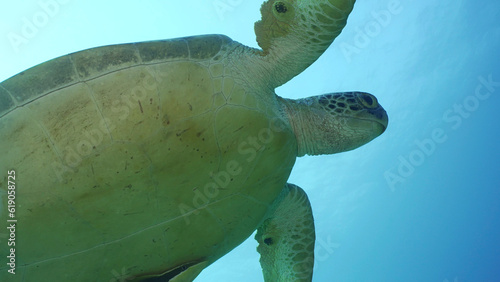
419	203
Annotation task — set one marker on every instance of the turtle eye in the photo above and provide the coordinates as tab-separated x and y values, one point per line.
368	100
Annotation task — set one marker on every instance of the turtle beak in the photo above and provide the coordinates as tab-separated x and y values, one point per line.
380	117
373	111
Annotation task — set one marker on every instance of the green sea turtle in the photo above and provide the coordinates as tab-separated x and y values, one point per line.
149	161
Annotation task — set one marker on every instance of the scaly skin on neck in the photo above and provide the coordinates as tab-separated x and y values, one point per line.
298	114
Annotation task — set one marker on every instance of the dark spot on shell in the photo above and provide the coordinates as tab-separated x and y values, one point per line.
342	105
140	106
166	120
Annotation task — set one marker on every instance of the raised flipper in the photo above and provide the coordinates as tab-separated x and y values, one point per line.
286	238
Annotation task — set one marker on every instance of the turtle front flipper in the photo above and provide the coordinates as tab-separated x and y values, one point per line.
286	238
293	34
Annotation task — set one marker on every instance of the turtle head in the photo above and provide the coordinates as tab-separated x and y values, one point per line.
334	123
294	33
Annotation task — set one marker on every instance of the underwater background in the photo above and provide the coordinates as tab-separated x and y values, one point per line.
419	203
